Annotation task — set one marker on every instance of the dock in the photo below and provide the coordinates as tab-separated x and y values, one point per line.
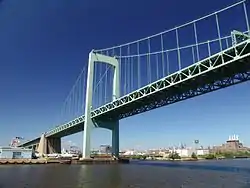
22	161
63	161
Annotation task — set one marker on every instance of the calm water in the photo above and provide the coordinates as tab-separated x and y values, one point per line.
148	174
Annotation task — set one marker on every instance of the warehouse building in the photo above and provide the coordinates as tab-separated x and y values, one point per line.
15	153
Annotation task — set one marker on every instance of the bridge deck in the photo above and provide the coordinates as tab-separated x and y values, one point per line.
218	71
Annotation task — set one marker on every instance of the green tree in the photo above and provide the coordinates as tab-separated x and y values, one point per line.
210	156
174	156
194	156
228	155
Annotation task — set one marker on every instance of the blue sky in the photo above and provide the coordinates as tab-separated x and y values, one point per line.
45	43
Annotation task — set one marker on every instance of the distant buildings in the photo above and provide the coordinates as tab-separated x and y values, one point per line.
72	150
187	152
105	149
200	152
14	152
233	144
129	152
183	152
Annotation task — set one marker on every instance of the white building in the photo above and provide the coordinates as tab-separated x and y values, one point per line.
202	151
183	152
130	152
15	153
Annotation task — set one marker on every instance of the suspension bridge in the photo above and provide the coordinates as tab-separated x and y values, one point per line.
195	58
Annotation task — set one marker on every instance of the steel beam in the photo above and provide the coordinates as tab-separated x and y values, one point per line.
224	62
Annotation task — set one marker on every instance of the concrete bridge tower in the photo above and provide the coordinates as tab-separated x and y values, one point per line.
89	124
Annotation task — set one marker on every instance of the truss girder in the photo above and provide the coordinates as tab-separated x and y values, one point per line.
189	93
30	142
207	66
223	69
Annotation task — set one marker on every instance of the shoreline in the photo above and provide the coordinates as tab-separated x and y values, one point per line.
63	161
188	159
122	160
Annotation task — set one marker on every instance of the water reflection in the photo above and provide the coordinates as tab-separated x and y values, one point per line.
115	176
196	166
85	176
98	176
141	175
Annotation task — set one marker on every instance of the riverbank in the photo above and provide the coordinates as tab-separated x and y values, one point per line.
199	158
186	159
168	159
63	161
22	161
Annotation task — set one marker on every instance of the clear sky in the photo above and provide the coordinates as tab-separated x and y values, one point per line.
45	43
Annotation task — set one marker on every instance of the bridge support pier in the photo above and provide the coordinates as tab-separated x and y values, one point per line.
49	145
42	146
115	139
35	147
53	145
89	124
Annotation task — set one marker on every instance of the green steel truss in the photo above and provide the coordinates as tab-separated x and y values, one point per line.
223	69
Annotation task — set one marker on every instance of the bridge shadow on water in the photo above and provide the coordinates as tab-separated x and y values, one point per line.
193	166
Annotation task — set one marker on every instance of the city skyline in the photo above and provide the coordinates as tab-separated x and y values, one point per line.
33	87
232	137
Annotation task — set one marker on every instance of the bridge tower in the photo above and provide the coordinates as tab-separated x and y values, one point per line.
89	124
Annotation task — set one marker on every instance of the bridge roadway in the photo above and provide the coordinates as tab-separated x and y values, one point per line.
226	68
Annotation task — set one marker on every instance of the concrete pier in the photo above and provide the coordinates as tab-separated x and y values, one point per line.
49	145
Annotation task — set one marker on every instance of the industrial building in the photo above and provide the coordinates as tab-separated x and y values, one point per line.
15	153
233	144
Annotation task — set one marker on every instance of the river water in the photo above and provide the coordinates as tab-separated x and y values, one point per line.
138	174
